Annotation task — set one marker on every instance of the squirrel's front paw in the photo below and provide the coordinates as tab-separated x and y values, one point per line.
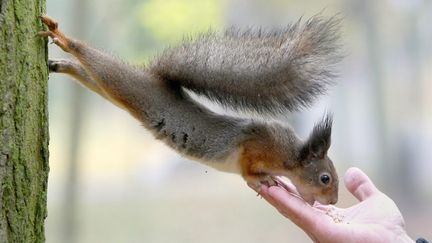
56	35
257	181
59	65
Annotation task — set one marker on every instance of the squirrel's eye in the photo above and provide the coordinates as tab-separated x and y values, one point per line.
325	179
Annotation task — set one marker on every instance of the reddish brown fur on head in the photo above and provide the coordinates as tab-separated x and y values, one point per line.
316	173
276	150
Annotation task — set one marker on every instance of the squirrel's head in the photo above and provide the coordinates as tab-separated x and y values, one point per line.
316	176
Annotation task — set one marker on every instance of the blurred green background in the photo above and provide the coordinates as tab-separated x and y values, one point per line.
110	181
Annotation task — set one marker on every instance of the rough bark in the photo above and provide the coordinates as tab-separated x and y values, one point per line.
23	122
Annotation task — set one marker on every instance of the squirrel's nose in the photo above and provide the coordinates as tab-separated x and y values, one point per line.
333	200
327	199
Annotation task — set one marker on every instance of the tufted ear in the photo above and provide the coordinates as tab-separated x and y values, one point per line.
319	140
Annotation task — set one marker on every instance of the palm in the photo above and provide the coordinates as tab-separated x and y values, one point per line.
376	219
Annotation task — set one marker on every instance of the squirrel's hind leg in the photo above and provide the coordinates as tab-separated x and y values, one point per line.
76	70
56	35
117	81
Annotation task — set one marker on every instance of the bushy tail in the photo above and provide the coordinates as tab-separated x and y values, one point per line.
268	72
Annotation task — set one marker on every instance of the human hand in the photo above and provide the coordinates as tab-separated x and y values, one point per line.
376	218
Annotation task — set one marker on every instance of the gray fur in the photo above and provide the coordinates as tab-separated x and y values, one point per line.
189	127
269	72
264	71
163	107
74	68
319	141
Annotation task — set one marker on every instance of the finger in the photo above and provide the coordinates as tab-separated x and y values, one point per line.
359	184
284	184
294	208
290	188
323	207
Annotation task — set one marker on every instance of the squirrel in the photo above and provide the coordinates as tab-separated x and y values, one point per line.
268	72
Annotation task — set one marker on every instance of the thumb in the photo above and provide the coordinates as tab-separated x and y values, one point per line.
359	184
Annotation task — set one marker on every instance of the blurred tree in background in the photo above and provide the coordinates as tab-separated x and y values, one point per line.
172	20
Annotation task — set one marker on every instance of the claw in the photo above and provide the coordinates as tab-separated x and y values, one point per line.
55	34
51	23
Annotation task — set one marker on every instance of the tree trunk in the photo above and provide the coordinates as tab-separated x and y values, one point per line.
23	122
